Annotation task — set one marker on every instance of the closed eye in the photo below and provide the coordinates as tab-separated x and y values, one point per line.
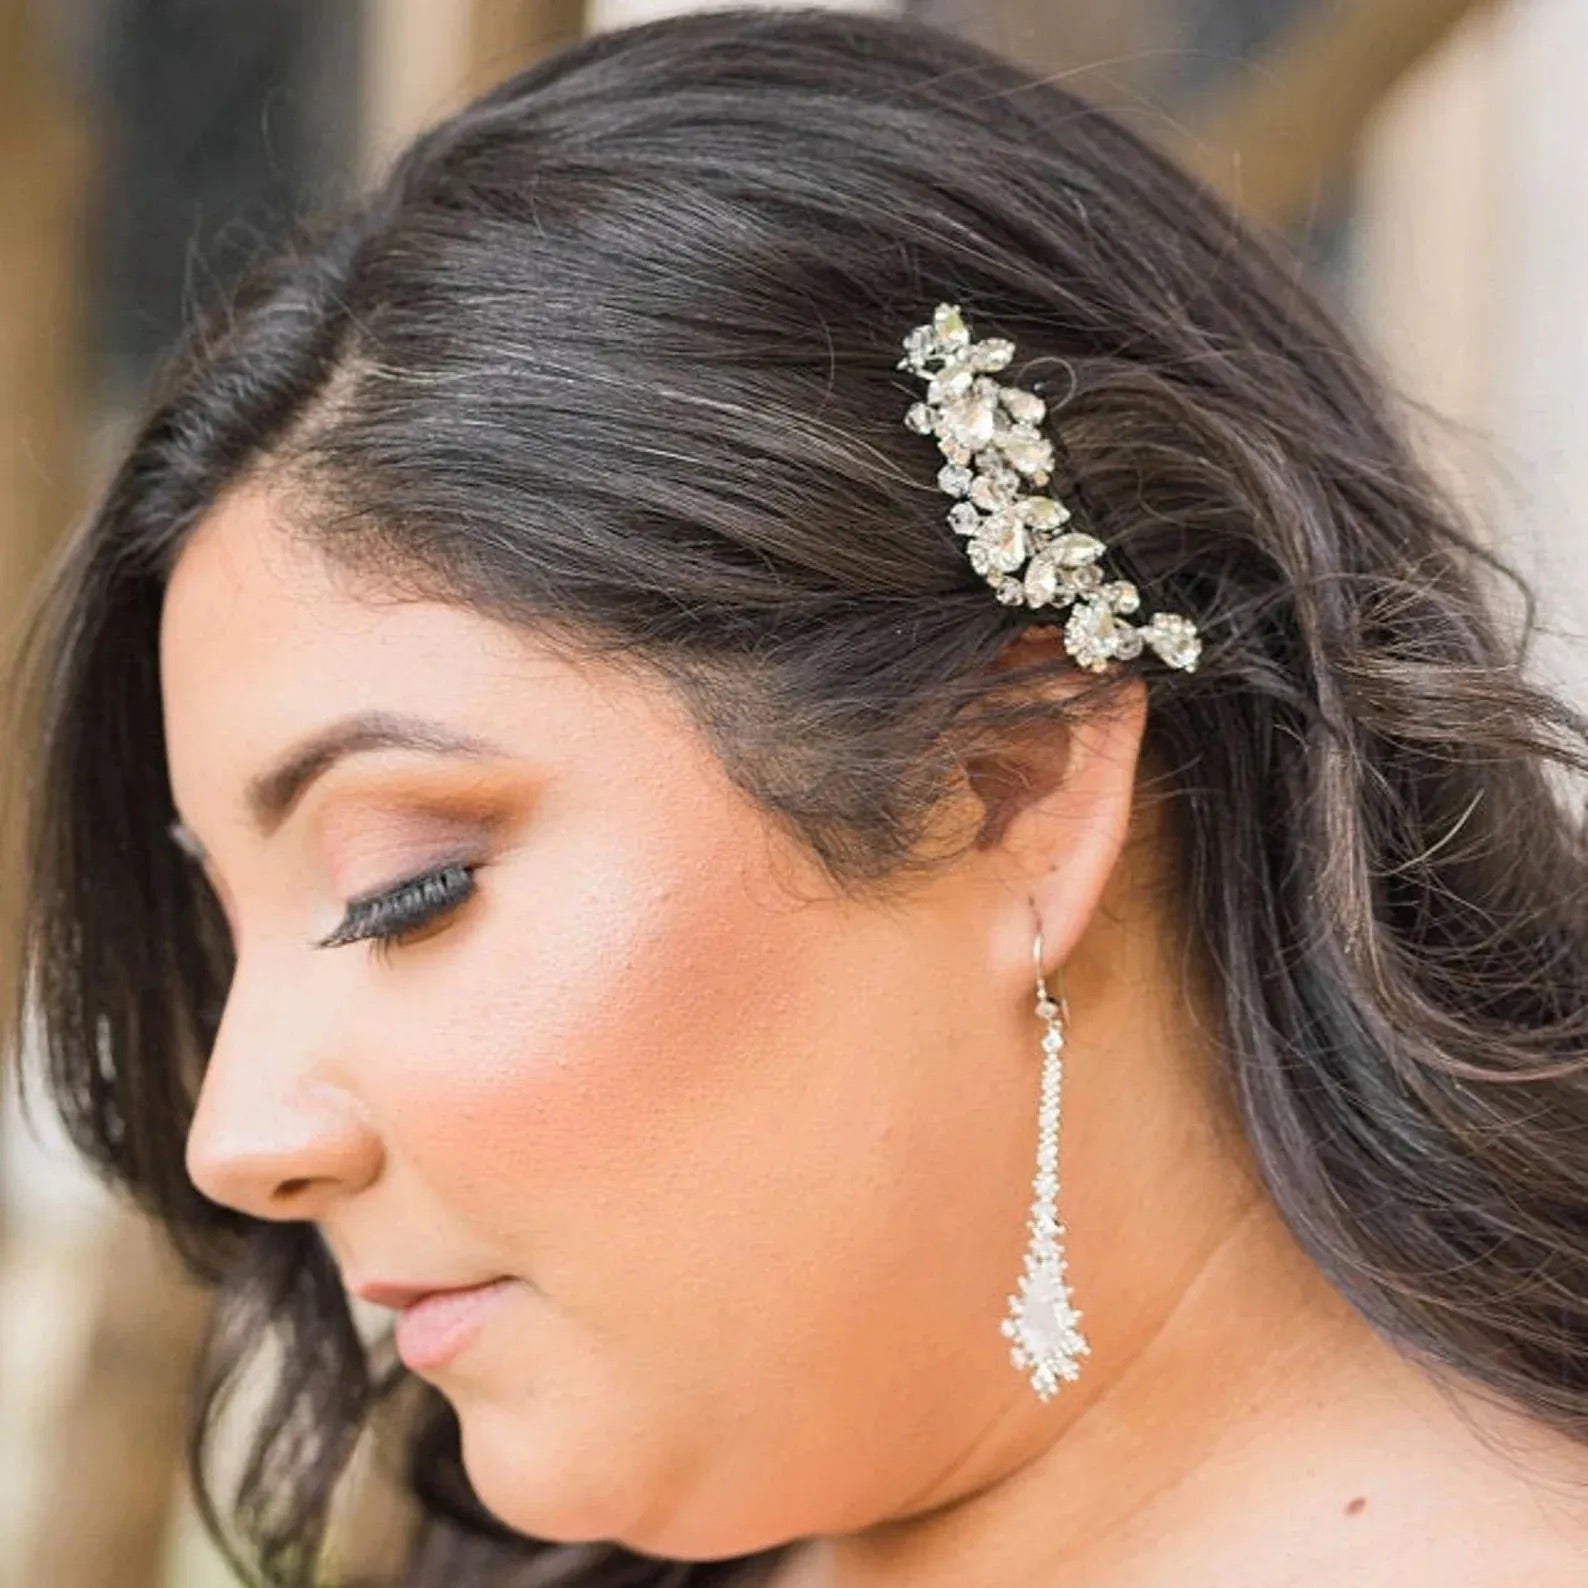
396	913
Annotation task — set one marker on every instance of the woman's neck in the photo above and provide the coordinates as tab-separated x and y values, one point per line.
1264	1435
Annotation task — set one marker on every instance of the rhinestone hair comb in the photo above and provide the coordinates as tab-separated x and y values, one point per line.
988	433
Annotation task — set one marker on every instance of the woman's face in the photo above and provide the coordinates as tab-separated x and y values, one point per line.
756	1160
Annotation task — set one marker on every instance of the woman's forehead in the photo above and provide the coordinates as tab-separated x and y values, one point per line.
266	647
253	605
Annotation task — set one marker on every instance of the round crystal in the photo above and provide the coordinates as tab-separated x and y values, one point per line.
954	478
964	518
1127	642
1121	595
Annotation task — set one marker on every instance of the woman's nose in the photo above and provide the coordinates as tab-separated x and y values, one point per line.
277	1133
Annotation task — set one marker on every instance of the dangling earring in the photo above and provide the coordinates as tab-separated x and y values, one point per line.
1042	1322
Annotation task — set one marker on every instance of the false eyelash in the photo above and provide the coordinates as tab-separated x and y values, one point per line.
390	916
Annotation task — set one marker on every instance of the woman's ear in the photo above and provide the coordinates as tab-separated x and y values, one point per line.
1057	801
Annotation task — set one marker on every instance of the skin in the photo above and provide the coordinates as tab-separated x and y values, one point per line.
758	1158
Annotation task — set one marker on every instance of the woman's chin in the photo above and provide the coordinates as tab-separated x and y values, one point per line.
534	1482
546	1490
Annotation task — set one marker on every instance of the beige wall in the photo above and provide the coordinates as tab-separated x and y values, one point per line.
1472	282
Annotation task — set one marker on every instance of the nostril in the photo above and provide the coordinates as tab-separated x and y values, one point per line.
284	1160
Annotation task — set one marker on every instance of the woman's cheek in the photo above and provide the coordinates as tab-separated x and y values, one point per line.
592	1054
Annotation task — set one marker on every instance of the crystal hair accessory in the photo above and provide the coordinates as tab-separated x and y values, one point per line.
988	433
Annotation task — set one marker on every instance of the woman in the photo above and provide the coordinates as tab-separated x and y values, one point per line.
644	841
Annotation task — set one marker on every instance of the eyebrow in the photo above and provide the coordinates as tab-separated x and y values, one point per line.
271	794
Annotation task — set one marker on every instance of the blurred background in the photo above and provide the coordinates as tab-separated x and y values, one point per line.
1427	161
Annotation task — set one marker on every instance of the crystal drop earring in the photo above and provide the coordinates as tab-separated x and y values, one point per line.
1043	1324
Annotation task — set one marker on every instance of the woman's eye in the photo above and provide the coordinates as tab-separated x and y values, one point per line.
389	917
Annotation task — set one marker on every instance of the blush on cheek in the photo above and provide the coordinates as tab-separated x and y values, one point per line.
587	1113
604	1013
684	1106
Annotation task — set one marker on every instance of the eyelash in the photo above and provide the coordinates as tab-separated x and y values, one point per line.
387	918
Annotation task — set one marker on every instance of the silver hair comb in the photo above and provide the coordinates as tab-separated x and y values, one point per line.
988	434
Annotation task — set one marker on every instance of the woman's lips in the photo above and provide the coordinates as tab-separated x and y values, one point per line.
435	1328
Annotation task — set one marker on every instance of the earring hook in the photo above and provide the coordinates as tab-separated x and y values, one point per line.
1042	987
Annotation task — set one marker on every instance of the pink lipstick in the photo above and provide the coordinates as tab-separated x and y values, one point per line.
433	1329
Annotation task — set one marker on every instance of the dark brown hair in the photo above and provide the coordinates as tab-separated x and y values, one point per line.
612	352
